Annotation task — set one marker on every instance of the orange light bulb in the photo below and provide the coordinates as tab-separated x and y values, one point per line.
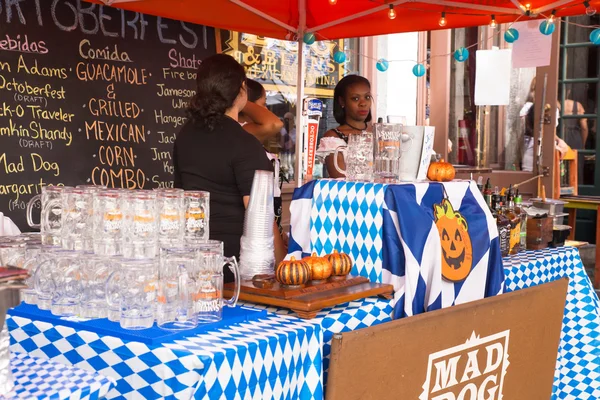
442	21
391	12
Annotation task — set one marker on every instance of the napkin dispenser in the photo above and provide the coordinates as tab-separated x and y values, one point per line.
539	232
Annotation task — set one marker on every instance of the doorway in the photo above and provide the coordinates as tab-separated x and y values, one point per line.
579	101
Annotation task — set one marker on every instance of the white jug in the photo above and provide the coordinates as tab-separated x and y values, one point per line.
414	163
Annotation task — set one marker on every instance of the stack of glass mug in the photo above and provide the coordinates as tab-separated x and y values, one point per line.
132	256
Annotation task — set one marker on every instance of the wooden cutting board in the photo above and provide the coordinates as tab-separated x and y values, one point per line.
309	299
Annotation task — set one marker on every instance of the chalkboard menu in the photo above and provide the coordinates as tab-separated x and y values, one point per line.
90	94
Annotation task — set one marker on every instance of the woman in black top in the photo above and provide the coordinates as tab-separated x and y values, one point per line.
352	110
214	153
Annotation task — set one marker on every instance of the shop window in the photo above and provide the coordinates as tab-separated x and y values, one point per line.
500	139
273	63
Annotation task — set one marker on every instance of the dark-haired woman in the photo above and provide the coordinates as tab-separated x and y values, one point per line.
264	125
214	153
352	110
255	117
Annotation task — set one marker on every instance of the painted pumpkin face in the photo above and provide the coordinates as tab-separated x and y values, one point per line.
515	237
457	252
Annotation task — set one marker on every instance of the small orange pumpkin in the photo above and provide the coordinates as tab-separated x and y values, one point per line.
293	272
441	171
341	263
320	267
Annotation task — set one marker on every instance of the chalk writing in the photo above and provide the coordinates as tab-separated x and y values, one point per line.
34	69
100	90
109	54
46	90
165	119
164	138
114	108
111	73
107	132
178	60
22	45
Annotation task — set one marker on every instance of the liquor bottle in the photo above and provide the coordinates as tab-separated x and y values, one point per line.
480	184
515	222
503	225
519	209
487	193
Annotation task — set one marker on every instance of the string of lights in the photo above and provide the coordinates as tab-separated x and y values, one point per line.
547	27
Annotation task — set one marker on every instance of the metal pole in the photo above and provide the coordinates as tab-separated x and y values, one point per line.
540	169
300	93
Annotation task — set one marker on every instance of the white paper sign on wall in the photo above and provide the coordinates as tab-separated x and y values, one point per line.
492	77
533	49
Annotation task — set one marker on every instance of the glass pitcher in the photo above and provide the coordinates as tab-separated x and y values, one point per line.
358	157
50	216
209	297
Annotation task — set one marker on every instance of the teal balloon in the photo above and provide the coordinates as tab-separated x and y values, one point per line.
461	54
339	57
547	28
382	65
419	70
511	35
309	38
595	37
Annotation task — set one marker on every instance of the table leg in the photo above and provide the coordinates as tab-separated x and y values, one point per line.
597	266
572	220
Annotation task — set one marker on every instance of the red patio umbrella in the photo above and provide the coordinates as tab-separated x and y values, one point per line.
335	19
281	19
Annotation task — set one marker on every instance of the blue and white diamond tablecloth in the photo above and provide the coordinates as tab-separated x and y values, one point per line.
577	374
37	378
390	233
269	358
343	318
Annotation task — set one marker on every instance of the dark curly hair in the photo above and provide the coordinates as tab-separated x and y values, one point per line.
255	90
220	78
339	113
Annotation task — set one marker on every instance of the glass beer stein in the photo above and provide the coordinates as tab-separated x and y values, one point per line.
387	153
177	289
35	254
95	271
358	158
209	298
108	221
58	282
12	254
141	231
77	213
50	214
197	214
135	281
171	216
